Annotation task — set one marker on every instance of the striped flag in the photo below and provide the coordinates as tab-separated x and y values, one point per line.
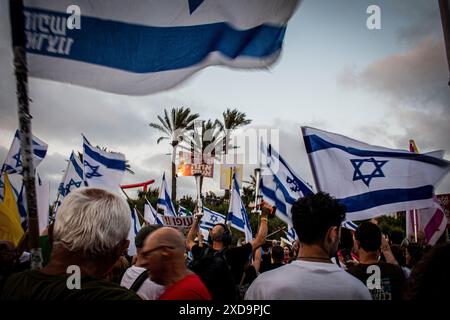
369	180
135	226
209	220
164	201
237	215
101	168
141	47
431	221
280	185
183	212
150	214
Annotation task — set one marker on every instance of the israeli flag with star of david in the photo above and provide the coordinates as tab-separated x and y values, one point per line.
183	212
145	46
209	220
72	179
150	214
13	161
164	201
280	185
369	180
291	234
102	169
237	215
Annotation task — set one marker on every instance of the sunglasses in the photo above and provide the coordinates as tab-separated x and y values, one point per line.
149	252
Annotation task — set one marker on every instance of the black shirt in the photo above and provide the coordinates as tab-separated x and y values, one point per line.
35	285
392	280
237	257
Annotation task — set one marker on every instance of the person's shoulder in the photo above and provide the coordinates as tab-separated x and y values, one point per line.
99	289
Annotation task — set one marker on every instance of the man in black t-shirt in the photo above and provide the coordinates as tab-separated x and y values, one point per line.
220	242
385	281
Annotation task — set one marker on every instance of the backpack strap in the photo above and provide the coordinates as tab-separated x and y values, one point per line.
139	281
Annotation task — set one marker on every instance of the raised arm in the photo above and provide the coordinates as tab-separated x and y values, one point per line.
190	239
260	238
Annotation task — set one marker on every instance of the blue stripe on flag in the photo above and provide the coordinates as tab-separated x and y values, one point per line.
144	49
381	197
110	163
315	143
77	168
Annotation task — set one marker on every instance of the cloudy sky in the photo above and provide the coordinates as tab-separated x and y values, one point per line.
379	86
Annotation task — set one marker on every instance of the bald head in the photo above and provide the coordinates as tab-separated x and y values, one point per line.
166	236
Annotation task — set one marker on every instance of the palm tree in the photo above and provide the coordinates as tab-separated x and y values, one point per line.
232	120
174	128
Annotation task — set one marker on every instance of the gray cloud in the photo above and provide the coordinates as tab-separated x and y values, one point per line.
414	85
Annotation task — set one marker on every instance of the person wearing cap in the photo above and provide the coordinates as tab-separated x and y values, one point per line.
136	277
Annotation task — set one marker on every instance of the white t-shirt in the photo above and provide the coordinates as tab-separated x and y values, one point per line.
306	280
148	291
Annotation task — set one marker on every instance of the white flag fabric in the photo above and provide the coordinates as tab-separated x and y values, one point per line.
145	46
102	169
237	215
134	229
370	180
280	185
431	221
150	214
43	203
164	201
13	160
72	179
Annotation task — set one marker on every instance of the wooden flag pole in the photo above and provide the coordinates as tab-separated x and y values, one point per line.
21	72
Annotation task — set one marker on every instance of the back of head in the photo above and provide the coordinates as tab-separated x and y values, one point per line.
220	233
369	236
144	233
92	221
277	253
314	214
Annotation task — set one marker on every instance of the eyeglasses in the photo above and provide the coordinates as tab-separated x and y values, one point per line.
149	252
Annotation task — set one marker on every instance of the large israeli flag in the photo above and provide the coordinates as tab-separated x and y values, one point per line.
145	46
150	214
369	180
164	201
101	168
280	185
237	215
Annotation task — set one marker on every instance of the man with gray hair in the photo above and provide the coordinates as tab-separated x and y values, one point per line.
90	234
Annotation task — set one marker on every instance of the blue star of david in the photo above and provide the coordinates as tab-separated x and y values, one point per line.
213	219
366	178
296	186
194	4
94	170
70	184
17	158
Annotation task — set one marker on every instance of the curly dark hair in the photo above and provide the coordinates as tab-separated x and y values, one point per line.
314	214
369	236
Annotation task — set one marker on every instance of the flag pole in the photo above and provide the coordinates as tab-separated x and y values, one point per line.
21	72
444	6
311	163
135	207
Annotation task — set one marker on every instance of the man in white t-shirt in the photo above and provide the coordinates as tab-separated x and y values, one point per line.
316	219
136	277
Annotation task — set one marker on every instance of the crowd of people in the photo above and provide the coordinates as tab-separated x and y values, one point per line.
327	262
